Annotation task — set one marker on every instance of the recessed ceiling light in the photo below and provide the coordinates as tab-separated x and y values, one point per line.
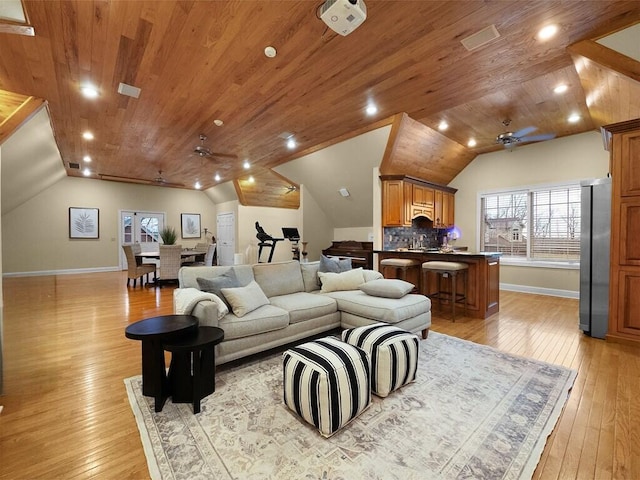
270	52
442	126
217	178
86	172
86	158
472	142
561	88
251	179
197	186
291	144
371	109
246	165
547	32
573	118
89	91
218	122
87	136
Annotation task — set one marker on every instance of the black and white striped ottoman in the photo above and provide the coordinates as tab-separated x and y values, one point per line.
327	382
393	353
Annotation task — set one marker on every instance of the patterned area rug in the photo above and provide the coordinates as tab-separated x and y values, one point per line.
474	412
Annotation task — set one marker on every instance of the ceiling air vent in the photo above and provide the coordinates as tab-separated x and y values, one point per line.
480	38
74	165
128	90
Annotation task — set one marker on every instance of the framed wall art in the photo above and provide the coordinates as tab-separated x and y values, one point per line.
190	225
84	222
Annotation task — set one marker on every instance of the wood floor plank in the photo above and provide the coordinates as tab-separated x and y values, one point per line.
65	358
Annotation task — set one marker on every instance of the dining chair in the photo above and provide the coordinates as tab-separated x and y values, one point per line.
208	258
170	262
137	270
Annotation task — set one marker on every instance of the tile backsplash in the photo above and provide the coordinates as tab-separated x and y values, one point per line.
407	237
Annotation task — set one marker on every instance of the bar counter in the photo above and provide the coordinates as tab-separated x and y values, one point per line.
483	289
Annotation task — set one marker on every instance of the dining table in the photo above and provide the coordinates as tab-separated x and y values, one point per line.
185	253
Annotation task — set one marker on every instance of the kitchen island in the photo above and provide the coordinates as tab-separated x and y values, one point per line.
483	288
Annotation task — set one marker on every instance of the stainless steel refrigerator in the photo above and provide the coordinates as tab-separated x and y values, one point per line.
594	256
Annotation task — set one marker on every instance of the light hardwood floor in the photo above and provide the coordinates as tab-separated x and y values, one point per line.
66	413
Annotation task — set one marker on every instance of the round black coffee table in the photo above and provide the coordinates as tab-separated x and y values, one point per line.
193	354
152	332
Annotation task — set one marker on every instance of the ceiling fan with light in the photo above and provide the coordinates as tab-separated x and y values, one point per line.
511	139
159	180
203	151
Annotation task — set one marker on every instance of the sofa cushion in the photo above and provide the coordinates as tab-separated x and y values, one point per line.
264	319
370	275
305	306
215	285
187	276
387	287
388	310
279	278
334	265
349	280
310	276
245	299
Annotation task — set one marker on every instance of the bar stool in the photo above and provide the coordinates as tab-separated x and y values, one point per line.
399	267
444	270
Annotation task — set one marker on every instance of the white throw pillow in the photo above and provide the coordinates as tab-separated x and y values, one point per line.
387	288
245	299
334	282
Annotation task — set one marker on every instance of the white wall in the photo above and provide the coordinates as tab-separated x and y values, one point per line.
317	228
35	235
271	220
565	159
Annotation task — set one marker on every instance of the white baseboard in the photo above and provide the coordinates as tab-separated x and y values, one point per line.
539	290
61	272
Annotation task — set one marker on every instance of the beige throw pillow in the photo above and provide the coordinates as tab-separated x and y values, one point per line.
387	288
245	299
334	282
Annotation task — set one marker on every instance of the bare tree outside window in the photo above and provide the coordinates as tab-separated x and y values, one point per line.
554	223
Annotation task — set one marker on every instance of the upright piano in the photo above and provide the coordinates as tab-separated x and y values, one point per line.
360	253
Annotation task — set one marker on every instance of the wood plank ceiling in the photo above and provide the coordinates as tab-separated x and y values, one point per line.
199	61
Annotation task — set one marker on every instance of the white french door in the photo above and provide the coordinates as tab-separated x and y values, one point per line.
140	227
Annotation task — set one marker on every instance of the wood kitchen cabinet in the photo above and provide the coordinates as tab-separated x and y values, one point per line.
423	196
393	203
623	140
404	198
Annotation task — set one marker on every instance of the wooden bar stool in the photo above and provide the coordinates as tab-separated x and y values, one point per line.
444	270
399	267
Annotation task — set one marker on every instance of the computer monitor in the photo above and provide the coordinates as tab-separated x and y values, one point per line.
290	233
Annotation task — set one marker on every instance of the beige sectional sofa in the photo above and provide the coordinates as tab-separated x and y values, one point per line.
295	307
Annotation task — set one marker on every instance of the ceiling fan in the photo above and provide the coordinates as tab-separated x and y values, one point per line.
203	151
511	139
159	180
290	188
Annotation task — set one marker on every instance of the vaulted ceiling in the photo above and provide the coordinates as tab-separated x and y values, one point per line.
198	61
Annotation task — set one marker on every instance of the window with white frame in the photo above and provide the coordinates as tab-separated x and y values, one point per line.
535	224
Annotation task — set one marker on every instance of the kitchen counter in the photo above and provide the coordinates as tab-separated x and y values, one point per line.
483	289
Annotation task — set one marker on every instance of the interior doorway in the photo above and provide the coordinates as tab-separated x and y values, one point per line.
226	237
140	227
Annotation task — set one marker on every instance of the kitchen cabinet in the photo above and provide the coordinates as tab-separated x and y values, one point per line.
423	196
623	140
448	209
404	198
393	206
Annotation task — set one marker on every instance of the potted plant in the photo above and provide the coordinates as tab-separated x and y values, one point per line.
168	235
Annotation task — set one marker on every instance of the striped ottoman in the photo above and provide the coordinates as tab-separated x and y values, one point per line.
393	353
327	382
